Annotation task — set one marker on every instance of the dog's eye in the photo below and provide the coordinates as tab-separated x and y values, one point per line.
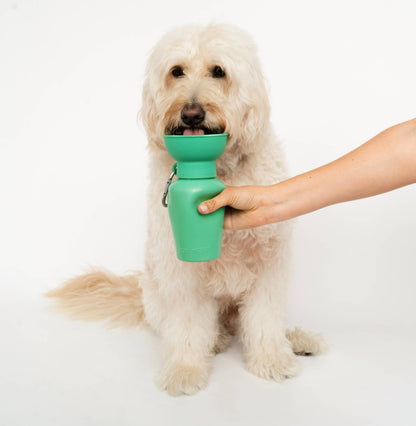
177	71
218	72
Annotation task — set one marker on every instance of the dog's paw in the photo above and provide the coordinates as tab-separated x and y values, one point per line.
182	379
278	366
306	342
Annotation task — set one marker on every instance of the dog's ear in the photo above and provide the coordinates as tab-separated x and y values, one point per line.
148	113
257	115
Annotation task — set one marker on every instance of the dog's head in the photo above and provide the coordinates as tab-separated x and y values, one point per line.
202	80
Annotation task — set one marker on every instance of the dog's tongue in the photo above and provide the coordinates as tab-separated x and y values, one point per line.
188	132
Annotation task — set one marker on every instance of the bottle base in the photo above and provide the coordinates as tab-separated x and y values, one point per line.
198	255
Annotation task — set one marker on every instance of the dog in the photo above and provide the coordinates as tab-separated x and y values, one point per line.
204	80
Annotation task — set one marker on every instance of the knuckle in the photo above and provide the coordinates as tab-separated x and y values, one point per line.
210	204
232	196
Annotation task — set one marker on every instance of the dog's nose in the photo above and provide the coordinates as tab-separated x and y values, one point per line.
192	114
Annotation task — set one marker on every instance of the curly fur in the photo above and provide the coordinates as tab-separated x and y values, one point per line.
196	308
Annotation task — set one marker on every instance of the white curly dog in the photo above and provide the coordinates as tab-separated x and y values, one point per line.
204	80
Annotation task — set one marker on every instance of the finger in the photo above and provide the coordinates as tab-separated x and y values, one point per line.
224	198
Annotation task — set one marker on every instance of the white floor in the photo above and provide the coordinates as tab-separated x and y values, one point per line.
57	372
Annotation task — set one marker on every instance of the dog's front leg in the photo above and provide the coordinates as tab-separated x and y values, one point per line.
268	353
188	331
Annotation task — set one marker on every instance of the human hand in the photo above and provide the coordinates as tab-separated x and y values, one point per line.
249	206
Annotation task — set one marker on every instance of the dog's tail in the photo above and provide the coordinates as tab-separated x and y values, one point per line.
101	296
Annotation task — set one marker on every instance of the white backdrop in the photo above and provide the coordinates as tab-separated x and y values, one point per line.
73	178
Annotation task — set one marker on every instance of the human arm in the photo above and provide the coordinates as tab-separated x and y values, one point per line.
385	162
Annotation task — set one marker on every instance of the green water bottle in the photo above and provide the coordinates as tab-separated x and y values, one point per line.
197	237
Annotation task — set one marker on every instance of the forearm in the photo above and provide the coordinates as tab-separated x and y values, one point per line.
384	163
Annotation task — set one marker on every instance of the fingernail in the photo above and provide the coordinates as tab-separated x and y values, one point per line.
203	208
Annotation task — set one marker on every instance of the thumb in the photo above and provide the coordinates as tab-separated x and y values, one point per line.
224	198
